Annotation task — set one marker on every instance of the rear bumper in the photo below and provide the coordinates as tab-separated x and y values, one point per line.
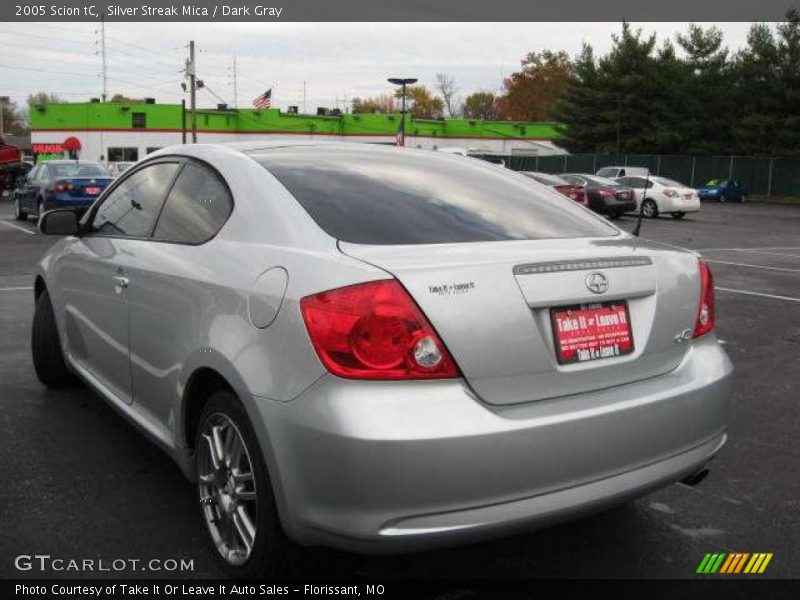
397	466
616	206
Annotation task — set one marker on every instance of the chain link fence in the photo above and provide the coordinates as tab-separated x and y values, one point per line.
763	176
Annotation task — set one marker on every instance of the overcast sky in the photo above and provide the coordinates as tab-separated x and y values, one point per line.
338	61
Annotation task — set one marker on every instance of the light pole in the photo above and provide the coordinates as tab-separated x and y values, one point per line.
3	100
403	82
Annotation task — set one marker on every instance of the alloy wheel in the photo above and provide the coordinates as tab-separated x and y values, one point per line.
649	209
226	484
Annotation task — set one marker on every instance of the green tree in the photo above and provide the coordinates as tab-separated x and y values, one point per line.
480	105
421	102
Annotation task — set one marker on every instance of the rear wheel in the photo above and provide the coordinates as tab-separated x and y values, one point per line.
649	209
236	500
19	212
48	358
678	215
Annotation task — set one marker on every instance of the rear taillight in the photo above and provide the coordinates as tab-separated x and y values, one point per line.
375	330
670	193
63	186
705	314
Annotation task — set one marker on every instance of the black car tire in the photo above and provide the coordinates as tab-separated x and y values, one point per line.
19	212
649	206
48	357
273	552
678	215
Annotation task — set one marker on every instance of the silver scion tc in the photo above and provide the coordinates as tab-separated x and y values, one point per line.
380	349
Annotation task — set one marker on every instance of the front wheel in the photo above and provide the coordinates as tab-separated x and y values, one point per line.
236	499
678	215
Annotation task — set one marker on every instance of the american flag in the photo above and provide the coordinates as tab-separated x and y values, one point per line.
264	100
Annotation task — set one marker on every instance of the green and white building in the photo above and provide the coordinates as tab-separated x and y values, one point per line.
111	131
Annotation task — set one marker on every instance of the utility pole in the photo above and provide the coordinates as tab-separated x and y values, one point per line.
304	98
4	99
235	89
103	54
191	73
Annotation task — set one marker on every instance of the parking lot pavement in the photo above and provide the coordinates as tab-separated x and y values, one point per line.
79	482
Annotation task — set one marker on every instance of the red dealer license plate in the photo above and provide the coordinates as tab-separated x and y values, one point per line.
93	191
591	331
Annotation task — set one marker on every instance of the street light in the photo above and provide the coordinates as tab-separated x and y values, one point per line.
404	82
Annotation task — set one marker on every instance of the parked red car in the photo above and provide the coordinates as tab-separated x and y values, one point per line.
560	185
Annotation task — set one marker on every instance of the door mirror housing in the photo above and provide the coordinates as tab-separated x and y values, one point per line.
61	221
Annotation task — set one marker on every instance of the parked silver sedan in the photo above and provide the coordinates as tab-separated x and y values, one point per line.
380	349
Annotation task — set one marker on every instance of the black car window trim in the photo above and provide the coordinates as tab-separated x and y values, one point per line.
87	219
215	173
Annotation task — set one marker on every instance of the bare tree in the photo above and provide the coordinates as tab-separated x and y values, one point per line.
446	86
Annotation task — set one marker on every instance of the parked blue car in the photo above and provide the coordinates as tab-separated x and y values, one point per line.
723	190
59	183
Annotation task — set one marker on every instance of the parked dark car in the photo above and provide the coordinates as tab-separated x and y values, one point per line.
723	190
605	196
559	184
57	184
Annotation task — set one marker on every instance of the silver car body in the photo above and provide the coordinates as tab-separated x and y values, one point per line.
518	441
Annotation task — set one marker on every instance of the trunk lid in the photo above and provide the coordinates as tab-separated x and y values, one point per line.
490	303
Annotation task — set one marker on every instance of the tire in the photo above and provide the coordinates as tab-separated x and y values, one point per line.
614	216
270	550
649	209
722	198
19	212
48	358
678	215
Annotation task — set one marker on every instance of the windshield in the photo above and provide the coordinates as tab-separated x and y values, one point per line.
71	170
388	196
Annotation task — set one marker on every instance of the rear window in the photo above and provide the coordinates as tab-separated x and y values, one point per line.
547	179
394	196
72	170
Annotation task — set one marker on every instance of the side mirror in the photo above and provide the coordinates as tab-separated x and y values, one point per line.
61	221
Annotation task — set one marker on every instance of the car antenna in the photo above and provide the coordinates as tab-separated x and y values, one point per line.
638	227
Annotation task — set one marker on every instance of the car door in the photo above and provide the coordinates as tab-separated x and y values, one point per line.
25	192
94	275
172	290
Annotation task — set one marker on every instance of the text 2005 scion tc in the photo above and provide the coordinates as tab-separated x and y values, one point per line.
381	349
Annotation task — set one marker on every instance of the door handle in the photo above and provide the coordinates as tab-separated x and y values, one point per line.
122	282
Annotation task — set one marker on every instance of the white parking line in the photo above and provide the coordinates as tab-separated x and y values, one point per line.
725	262
28	231
745	292
14	289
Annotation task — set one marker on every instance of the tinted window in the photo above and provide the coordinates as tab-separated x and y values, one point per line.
395	196
131	208
196	208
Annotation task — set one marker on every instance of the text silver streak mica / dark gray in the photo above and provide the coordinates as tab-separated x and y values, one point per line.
514	440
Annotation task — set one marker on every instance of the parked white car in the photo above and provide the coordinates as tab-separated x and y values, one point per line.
617	172
664	196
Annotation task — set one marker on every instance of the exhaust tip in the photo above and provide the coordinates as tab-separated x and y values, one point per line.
696	477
